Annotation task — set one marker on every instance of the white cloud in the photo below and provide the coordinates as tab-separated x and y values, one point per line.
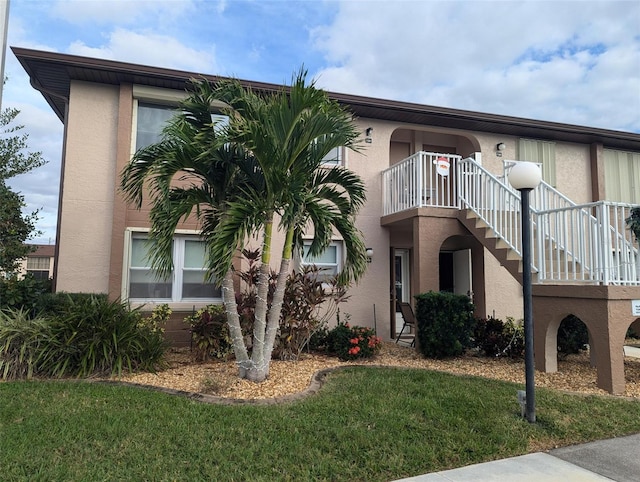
575	62
149	48
120	11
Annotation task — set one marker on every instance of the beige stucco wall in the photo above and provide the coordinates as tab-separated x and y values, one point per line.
503	293
573	171
87	214
84	235
373	288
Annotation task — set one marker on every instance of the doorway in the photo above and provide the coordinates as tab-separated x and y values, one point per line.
401	281
455	272
401	287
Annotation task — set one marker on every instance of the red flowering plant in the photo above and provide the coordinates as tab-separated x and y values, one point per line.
352	342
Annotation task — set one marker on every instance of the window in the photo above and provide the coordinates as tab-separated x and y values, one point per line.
186	283
334	158
38	267
151	119
622	176
542	152
38	263
329	261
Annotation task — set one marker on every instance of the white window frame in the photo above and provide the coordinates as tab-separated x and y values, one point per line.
176	276
160	97
339	259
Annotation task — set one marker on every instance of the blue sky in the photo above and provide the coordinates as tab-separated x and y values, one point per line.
576	62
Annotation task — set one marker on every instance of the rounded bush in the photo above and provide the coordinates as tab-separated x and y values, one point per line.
445	324
352	342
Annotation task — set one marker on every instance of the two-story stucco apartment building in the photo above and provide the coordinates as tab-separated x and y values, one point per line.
440	214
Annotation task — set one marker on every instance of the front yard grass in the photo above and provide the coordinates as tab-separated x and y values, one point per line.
365	424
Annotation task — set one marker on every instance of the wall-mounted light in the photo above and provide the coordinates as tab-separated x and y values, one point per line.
501	146
369	253
367	134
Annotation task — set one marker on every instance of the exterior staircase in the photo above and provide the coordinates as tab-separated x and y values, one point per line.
584	258
571	244
504	253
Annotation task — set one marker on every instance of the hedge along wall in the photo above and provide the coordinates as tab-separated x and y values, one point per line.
445	324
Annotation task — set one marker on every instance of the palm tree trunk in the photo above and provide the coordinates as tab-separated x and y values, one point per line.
233	321
259	362
273	323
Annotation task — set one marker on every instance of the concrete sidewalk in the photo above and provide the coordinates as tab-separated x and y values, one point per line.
614	459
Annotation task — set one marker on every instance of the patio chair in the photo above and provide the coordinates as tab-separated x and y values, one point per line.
409	321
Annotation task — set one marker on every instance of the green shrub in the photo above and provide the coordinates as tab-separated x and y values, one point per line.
92	335
210	333
23	293
445	324
633	222
573	336
352	342
52	304
307	306
495	337
83	335
22	341
318	340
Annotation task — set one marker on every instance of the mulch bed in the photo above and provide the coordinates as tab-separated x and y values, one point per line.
219	378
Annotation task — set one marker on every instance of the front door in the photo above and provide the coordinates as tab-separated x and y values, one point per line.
401	286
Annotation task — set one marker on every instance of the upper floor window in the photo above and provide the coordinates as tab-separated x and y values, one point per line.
187	282
622	176
152	118
542	152
329	261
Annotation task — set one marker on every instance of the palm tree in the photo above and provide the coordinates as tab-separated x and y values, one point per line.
263	167
210	173
290	134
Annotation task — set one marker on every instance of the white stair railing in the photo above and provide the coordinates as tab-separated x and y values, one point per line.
571	243
492	201
589	243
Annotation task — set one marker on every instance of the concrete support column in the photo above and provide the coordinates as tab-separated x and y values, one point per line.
610	375
545	340
425	269
477	276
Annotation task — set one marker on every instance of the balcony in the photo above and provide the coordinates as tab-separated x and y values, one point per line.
426	179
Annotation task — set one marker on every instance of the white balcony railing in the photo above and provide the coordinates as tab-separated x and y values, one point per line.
587	243
424	179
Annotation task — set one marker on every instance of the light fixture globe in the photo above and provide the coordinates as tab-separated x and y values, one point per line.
525	175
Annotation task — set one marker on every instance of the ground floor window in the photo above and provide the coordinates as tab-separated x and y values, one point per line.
187	282
329	261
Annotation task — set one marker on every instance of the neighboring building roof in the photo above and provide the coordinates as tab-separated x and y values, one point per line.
42	251
51	74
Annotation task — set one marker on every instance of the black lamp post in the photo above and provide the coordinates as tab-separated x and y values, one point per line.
525	177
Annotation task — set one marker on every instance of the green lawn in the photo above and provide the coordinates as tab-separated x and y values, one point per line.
366	424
